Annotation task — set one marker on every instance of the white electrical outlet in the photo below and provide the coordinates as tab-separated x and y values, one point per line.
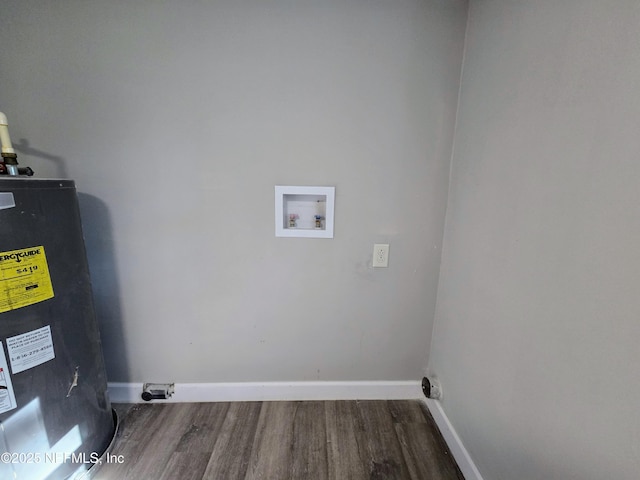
381	255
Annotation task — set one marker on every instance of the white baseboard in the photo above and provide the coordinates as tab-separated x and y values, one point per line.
273	391
456	447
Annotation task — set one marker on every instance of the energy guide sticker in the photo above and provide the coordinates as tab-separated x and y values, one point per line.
24	278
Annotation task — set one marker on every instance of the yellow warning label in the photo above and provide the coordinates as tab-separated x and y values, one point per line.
24	278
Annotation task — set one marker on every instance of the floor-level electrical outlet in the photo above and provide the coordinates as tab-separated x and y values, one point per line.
381	255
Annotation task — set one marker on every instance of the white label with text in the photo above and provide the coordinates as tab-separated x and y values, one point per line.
30	349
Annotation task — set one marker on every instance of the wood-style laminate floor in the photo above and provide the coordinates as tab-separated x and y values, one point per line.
315	440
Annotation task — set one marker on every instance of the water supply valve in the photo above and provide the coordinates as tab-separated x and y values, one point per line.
157	391
431	388
9	165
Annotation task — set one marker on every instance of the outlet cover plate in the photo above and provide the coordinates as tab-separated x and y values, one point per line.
380	255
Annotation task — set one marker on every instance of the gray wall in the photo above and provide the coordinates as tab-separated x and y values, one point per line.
177	119
537	327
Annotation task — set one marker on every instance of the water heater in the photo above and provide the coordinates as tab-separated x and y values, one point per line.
56	420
